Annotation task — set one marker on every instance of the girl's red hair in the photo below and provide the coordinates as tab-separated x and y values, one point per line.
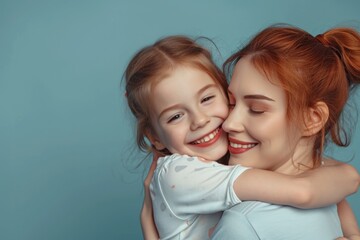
152	64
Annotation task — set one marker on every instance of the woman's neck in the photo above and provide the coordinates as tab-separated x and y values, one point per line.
301	161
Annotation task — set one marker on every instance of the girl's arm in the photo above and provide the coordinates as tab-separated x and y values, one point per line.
315	188
348	221
147	220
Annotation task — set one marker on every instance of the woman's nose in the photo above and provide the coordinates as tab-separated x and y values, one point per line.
233	122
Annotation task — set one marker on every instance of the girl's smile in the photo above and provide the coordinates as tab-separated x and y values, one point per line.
189	122
208	139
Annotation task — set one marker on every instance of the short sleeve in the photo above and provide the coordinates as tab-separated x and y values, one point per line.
190	186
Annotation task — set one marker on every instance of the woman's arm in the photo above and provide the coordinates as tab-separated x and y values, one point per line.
147	220
348	221
315	188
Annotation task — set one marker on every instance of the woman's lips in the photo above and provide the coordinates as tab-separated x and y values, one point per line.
238	147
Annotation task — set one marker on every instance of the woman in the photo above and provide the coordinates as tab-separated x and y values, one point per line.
289	88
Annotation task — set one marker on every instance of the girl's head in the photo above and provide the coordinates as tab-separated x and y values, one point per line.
315	74
177	95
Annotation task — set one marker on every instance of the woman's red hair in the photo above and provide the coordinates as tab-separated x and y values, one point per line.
309	69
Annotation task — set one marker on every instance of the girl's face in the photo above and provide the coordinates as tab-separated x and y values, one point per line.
188	111
260	135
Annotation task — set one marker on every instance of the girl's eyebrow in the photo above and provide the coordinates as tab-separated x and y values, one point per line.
168	109
201	90
259	97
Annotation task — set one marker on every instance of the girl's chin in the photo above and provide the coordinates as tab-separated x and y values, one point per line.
234	161
212	156
239	161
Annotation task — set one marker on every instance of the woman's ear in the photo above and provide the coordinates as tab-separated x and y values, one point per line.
154	140
315	119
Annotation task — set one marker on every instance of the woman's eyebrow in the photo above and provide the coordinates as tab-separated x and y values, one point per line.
260	97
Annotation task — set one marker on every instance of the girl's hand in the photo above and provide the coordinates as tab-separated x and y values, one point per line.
147	220
348	221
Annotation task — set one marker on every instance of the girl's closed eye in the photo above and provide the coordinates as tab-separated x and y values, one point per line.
175	117
207	98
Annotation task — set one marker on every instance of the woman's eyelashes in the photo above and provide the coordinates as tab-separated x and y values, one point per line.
256	111
252	109
257	108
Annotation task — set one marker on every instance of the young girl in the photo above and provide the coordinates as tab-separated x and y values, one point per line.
289	88
177	95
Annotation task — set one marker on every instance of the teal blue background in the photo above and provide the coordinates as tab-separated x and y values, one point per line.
67	160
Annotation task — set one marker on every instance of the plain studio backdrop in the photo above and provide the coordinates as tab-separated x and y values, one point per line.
67	159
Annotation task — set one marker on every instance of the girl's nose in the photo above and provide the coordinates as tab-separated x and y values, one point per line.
199	120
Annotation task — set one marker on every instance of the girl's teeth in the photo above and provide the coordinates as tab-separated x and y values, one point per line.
207	138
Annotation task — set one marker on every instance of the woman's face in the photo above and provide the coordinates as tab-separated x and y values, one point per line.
259	132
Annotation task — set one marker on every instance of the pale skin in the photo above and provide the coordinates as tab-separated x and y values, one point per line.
147	221
305	190
258	117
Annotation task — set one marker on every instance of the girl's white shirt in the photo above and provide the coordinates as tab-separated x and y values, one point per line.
189	194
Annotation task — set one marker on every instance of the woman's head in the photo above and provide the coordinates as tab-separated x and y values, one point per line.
163	61
315	74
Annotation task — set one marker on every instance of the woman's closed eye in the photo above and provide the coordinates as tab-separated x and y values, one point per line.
256	110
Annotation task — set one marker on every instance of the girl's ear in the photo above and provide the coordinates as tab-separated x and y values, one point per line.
315	119
154	140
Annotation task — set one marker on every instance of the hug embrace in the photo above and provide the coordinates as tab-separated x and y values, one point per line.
245	160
